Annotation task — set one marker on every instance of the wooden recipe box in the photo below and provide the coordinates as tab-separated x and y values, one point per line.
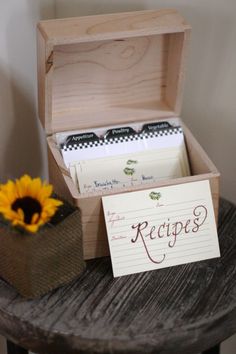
106	70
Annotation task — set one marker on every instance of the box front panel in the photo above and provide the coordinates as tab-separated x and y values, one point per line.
94	231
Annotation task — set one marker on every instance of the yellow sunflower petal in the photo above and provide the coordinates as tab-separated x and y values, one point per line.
35	188
16	222
35	218
10	191
51	204
20	214
54	202
45	217
9	214
4	200
23	191
22	186
46	192
32	228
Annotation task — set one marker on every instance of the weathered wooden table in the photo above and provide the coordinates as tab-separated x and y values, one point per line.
184	309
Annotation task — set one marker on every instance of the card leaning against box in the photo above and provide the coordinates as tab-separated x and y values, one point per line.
148	229
158	228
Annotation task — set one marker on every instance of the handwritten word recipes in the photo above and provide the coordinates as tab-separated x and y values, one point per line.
158	228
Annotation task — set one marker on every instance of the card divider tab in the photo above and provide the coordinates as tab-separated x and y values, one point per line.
117	133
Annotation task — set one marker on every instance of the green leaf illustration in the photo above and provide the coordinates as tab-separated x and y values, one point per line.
129	171
131	162
155	195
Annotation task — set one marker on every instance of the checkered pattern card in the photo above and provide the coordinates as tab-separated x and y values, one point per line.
120	141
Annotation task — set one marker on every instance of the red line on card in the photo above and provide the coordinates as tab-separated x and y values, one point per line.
188	201
128	246
138	247
134	211
154	220
167	254
146	216
181	234
170	258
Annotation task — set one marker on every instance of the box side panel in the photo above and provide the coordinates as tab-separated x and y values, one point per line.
45	74
93	226
177	56
95	241
201	164
113	26
56	179
41	76
215	192
199	160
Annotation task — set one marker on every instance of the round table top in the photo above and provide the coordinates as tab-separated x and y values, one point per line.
182	309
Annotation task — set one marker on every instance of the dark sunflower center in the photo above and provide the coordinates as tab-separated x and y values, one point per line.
29	205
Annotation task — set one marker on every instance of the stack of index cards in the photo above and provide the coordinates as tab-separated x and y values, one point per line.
123	156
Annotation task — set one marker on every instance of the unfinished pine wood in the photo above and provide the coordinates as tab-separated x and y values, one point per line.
44	64
112	26
198	165
94	231
129	113
177	310
41	71
106	70
178	45
113	75
110	69
215	193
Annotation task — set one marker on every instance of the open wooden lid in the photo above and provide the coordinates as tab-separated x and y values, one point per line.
110	69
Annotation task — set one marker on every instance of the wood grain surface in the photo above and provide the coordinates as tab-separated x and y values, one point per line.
106	70
93	225
184	309
110	69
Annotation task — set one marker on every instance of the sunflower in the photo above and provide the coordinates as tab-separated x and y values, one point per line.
27	202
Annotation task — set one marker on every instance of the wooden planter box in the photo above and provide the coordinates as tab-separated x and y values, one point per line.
106	70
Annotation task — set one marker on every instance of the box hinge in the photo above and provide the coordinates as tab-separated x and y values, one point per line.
49	62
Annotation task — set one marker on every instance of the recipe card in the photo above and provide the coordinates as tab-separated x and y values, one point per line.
162	227
133	169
